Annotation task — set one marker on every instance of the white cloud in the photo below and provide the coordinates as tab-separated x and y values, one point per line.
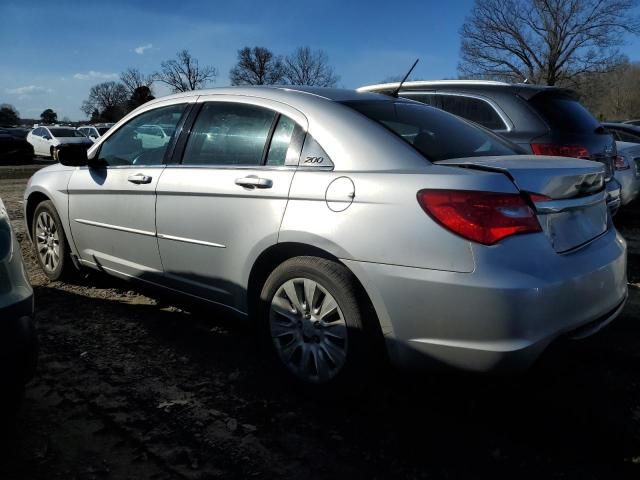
140	50
93	75
28	90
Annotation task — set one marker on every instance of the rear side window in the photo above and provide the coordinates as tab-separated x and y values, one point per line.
564	113
426	98
434	133
229	134
282	135
473	109
626	136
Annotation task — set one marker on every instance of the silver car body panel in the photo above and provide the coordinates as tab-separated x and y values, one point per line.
437	296
630	178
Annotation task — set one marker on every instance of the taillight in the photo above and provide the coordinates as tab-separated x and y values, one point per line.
620	163
574	151
482	217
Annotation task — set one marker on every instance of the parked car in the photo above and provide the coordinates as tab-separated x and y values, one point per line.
94	132
542	120
18	348
346	225
45	139
623	132
628	170
633	122
14	146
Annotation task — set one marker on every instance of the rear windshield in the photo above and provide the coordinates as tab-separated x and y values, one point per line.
436	134
564	113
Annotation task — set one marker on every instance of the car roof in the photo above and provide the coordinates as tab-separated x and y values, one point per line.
524	90
280	92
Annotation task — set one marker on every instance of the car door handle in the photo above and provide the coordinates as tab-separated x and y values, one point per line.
254	182
139	178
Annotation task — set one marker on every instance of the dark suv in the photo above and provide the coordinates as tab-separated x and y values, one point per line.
542	120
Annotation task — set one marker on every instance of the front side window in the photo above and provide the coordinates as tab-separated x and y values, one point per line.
473	109
229	134
435	134
137	141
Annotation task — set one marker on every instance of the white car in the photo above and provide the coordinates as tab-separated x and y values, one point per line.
152	136
46	139
628	170
94	132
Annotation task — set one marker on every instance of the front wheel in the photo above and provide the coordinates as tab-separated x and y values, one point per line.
313	321
50	242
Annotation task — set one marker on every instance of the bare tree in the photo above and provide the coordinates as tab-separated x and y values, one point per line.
132	79
544	41
109	98
257	66
185	73
308	67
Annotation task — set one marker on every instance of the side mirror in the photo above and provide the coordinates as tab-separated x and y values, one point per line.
47	137
72	155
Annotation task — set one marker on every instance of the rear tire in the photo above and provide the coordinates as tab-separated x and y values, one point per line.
313	324
50	243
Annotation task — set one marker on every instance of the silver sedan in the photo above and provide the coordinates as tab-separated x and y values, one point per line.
346	225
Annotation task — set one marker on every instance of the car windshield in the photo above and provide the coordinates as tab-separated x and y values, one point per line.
564	113
65	132
436	134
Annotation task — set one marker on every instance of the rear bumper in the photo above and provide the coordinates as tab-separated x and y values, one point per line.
18	343
505	313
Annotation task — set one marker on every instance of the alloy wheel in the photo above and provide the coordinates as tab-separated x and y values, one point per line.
308	330
48	241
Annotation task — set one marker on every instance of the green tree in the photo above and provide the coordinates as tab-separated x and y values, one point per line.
140	96
8	115
49	116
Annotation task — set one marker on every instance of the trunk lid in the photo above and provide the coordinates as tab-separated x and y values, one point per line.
568	194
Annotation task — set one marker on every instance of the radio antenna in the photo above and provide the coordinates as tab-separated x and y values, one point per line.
397	90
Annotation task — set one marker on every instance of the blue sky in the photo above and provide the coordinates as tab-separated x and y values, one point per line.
54	51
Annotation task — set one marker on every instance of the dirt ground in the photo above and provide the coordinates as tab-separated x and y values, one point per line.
134	385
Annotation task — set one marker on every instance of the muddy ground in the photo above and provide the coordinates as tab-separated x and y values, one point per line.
134	385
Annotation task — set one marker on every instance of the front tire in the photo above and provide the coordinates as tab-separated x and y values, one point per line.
312	321
50	243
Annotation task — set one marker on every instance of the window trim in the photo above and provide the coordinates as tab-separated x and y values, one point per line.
507	122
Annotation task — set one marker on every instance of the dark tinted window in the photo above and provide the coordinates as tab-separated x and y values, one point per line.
434	133
65	132
564	113
228	134
628	136
473	109
426	98
103	130
132	145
